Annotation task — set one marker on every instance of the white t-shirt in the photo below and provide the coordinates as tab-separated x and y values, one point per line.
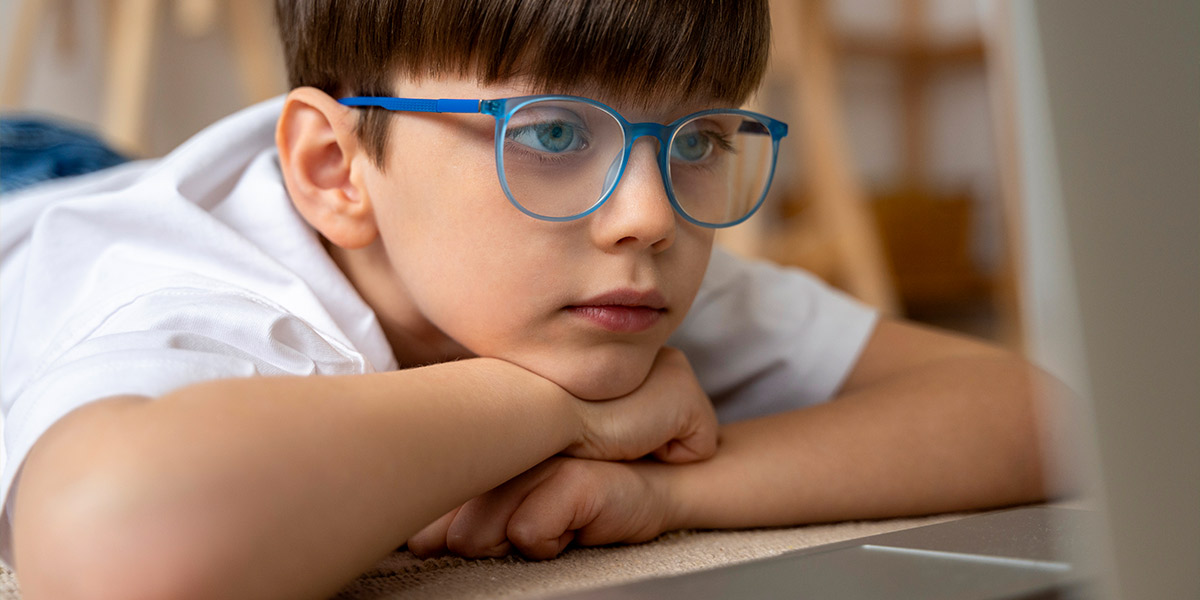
158	274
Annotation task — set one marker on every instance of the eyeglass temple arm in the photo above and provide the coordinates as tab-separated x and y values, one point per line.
444	105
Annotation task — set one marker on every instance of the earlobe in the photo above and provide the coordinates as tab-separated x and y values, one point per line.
319	155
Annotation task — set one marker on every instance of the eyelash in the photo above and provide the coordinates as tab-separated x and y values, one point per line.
546	158
579	130
722	140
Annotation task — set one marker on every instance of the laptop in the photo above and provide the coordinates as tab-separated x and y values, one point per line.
1108	102
1024	553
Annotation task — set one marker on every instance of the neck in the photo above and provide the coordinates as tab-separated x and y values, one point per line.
414	340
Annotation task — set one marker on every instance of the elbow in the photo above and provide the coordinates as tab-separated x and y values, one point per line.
81	545
1038	422
1064	440
86	524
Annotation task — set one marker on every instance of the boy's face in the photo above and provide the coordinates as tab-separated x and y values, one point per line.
585	303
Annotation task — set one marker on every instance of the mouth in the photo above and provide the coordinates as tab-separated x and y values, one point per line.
622	311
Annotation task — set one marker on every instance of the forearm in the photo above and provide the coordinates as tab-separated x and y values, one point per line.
285	486
954	434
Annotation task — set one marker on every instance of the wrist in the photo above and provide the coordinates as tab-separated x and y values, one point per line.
667	483
566	412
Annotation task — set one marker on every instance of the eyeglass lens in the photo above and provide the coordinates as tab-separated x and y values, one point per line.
561	157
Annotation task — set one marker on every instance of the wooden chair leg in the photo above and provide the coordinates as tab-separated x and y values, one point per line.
257	52
839	203
23	35
129	64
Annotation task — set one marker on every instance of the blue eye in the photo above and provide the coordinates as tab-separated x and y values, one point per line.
550	136
693	146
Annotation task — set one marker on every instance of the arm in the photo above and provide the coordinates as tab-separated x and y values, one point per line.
927	422
288	487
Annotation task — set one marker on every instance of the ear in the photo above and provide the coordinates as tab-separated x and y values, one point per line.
323	167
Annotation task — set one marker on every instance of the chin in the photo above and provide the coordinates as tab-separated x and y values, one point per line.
603	388
605	375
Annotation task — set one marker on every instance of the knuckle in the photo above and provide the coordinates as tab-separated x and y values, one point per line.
524	535
474	547
534	542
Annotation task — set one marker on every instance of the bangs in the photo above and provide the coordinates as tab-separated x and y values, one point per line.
633	51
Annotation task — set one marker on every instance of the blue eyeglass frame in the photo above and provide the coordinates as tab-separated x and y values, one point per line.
503	108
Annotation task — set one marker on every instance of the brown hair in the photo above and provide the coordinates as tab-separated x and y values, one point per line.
636	50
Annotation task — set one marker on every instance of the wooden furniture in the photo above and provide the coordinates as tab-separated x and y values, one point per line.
835	236
929	233
909	244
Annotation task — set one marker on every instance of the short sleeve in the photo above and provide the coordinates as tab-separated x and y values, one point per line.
150	345
156	275
765	339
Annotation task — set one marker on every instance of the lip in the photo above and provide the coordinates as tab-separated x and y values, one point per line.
622	311
627	297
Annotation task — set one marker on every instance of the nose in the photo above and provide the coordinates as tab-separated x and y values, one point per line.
638	214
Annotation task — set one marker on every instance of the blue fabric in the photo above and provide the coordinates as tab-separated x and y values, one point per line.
34	149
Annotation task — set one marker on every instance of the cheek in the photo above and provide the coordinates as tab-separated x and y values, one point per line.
694	245
477	274
474	286
444	214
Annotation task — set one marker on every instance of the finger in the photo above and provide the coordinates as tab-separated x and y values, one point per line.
431	541
479	529
675	451
546	521
687	449
699	444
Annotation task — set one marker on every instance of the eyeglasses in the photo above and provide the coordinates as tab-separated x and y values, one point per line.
560	157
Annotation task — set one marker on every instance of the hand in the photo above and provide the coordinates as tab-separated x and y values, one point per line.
669	415
561	500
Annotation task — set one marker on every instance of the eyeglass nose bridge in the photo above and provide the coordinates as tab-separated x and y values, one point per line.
616	171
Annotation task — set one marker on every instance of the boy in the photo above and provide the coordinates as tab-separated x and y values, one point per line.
465	281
